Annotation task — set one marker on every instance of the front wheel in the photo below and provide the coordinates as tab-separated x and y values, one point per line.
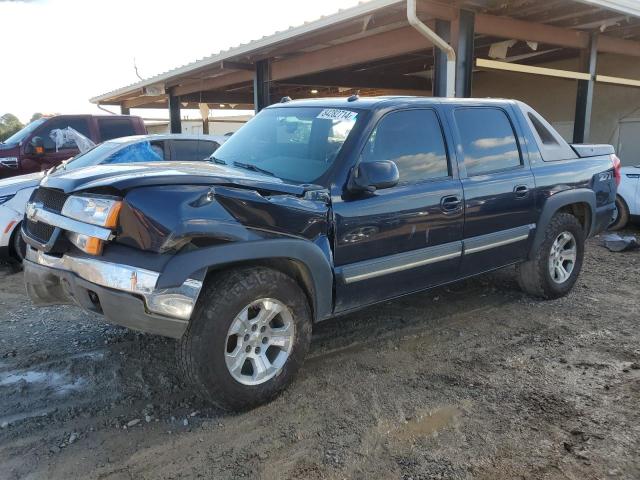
557	261
18	248
247	337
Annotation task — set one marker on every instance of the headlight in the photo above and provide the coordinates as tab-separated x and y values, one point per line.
100	211
10	162
6	198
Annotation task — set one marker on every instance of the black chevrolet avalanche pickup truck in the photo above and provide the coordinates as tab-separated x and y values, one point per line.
314	209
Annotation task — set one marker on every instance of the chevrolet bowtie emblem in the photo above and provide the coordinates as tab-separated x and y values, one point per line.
32	210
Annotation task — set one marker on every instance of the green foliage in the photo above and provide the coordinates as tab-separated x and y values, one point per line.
35	116
9	124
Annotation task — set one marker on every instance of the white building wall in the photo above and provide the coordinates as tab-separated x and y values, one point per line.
555	99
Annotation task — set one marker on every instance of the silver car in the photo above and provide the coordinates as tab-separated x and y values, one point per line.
15	191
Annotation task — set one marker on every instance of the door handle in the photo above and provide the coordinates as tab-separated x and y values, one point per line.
450	203
521	191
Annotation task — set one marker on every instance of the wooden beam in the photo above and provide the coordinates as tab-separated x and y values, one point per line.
619	46
361	80
505	27
519	68
375	47
194	106
629	82
217	97
215	83
142	101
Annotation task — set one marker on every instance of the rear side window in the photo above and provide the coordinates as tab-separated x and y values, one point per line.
413	140
115	128
206	148
185	150
488	141
545	135
551	145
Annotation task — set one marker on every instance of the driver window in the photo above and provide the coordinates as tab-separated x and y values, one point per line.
413	140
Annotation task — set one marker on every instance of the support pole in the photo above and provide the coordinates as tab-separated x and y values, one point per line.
174	113
261	84
426	32
584	96
124	110
464	50
443	30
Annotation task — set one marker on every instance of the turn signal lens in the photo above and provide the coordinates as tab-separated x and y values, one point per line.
90	245
112	217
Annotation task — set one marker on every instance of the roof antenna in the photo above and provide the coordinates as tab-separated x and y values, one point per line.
354	97
285	99
135	67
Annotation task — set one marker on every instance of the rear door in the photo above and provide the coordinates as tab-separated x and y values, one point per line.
498	187
115	127
408	237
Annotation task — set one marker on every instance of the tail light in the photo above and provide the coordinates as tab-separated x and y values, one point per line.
616	168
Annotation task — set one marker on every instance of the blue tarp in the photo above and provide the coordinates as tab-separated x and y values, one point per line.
138	152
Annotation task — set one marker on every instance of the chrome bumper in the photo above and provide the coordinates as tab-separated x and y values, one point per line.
125	295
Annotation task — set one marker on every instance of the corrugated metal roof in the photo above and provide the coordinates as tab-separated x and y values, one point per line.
627	7
363	8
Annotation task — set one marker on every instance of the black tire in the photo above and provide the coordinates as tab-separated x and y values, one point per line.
18	249
534	276
202	349
622	214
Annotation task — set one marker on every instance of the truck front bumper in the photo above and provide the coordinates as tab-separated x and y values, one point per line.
125	295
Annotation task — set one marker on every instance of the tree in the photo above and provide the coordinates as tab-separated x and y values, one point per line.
9	124
35	116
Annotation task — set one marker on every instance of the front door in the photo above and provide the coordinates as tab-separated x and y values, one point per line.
498	189
408	237
55	151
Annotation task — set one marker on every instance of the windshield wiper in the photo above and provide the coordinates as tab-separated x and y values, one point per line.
217	160
62	165
253	168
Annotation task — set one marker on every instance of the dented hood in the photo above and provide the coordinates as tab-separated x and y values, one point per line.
126	176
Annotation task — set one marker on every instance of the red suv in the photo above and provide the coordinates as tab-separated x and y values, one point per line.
33	149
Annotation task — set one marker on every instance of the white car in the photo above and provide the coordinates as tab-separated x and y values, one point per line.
15	191
628	198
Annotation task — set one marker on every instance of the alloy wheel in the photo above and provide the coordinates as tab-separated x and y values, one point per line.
562	257
259	341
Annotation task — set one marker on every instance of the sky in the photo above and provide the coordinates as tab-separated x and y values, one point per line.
58	53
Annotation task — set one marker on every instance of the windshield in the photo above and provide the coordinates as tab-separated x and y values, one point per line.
115	152
293	143
20	135
92	157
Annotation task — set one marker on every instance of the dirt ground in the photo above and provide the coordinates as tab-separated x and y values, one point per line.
475	380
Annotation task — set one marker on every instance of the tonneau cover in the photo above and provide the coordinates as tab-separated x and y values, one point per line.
592	150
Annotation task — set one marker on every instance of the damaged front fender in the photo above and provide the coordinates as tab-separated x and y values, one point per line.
169	217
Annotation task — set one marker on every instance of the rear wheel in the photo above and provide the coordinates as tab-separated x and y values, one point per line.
247	337
557	262
621	215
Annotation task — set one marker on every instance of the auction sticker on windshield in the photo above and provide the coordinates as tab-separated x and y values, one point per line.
337	114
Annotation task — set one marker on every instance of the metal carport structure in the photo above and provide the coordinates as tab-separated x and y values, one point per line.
373	48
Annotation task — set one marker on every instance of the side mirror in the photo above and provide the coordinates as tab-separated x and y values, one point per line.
37	145
372	176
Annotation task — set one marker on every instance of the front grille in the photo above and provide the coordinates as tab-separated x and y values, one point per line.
50	198
39	231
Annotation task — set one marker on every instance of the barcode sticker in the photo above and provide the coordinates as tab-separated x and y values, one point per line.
337	114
